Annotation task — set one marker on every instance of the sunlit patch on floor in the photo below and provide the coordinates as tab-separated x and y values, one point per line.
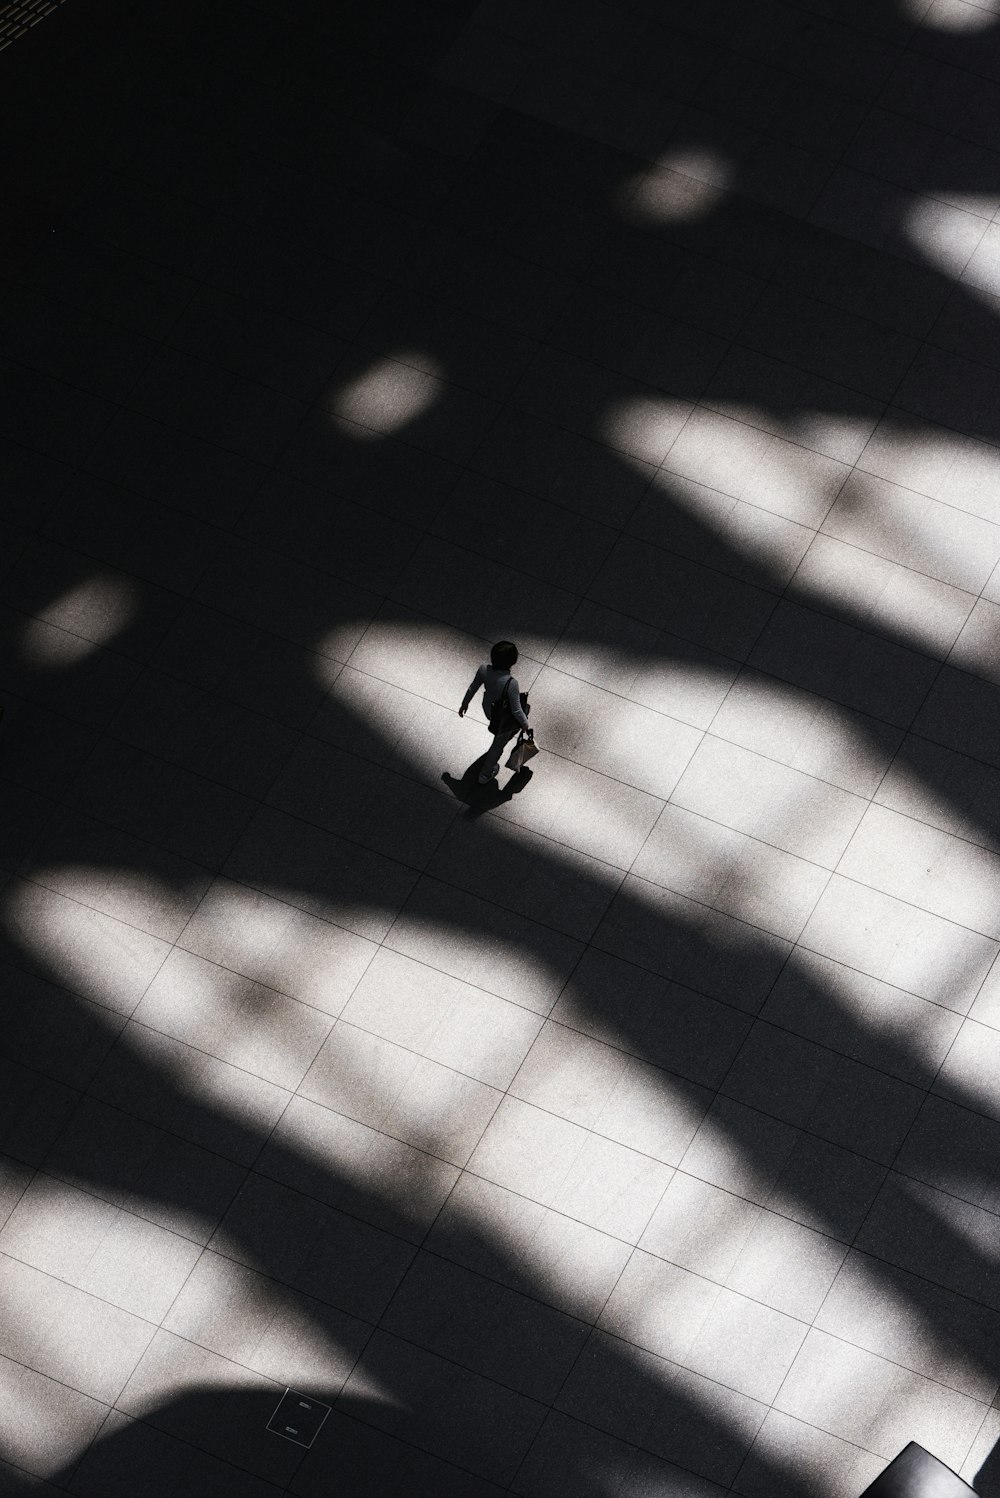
387	396
948	234
681	185
952	15
644	428
88	616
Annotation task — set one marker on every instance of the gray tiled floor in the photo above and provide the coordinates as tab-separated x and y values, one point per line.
632	1128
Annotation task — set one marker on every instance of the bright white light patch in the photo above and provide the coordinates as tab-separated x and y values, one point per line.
682	185
404	651
947	235
389	395
31	1436
704	166
88	616
115	892
753	455
953	15
962	471
643	428
89	951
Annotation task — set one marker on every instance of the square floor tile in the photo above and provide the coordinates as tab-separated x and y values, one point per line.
400	1093
863	1397
358	1169
745	1345
487	1427
776	804
233	1311
234	1019
686	1032
470	938
859	1016
792	1456
446	1020
659	1306
559	1165
679	1415
684	940
69	1335
55	1423
485	1327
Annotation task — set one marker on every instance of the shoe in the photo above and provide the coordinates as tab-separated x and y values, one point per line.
485	778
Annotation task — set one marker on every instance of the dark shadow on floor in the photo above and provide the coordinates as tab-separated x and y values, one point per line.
249	528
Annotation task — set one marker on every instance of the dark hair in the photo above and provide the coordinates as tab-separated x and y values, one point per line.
503	655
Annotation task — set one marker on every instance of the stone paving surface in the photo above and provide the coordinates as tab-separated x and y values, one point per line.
631	1127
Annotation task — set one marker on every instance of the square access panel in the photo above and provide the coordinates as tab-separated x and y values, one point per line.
298	1418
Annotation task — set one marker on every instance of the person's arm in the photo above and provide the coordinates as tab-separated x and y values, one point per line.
474	685
514	703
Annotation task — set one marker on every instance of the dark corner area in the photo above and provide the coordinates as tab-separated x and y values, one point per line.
623	1124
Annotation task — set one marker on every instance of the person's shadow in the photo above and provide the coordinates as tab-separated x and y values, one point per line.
479	798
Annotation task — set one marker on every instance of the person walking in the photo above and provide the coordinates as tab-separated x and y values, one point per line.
501	704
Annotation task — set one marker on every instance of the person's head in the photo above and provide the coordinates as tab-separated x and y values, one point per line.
503	655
